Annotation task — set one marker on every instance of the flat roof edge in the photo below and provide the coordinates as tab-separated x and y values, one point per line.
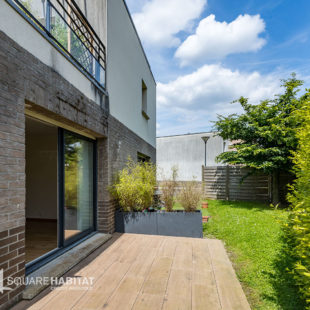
135	29
188	134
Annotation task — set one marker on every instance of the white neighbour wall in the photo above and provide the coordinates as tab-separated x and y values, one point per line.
24	34
187	152
126	68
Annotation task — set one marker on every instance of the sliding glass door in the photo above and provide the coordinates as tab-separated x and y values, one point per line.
78	187
78	181
75	198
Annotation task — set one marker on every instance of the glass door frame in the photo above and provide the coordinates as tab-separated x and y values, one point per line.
62	242
65	245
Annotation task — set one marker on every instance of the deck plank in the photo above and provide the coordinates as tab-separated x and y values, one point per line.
204	289
178	294
150	272
125	295
229	288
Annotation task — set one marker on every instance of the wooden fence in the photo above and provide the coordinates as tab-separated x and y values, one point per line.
236	183
225	182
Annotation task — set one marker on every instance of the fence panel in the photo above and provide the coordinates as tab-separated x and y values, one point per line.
235	183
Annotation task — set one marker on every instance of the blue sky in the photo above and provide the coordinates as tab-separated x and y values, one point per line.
206	53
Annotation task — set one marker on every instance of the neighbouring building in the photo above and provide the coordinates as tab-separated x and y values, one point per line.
187	152
220	181
77	98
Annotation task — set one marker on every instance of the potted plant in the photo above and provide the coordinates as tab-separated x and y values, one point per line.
134	192
168	189
204	205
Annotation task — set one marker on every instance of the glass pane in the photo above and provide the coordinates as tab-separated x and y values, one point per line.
80	52
72	41
59	28
67	32
78	185
36	7
102	76
99	73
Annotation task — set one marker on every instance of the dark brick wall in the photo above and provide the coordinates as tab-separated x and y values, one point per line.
25	81
12	167
122	143
12	261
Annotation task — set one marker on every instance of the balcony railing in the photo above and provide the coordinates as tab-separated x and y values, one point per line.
65	24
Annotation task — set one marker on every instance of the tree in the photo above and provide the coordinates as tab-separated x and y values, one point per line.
265	133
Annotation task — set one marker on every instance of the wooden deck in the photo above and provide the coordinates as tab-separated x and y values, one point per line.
150	272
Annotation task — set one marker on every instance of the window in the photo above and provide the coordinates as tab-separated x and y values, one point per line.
78	184
65	26
144	101
143	158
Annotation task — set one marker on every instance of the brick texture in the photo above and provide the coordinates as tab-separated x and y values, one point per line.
25	81
114	153
11	262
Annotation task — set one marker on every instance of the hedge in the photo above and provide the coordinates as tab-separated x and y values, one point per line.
299	220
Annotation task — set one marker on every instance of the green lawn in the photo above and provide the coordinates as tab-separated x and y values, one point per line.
253	237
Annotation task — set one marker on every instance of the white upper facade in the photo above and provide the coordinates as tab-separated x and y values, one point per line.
127	68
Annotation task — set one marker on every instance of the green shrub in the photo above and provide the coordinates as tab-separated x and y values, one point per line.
190	195
168	188
134	186
299	221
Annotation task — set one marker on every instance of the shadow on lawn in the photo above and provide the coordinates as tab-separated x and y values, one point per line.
287	294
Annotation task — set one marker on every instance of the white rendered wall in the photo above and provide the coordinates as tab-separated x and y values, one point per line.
126	67
187	152
24	34
95	12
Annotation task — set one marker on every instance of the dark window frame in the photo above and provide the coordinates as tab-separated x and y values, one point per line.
142	158
144	102
66	245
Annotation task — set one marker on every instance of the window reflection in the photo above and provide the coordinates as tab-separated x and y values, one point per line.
78	185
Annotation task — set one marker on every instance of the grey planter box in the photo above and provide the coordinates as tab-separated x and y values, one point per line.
177	223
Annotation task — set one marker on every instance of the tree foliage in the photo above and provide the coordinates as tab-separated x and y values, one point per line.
299	221
265	134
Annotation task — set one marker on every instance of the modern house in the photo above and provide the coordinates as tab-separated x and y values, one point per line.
77	98
189	153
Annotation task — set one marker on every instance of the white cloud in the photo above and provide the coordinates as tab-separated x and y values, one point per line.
215	40
160	20
191	102
135	5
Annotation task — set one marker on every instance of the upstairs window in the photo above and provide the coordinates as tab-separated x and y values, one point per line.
65	26
144	101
